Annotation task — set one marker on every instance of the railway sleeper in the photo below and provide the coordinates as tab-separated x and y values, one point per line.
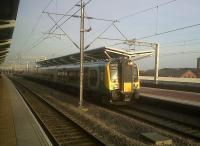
73	142
61	128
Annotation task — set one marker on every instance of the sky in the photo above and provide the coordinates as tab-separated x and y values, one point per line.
178	49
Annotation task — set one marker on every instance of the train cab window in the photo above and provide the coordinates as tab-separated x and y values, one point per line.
114	72
93	77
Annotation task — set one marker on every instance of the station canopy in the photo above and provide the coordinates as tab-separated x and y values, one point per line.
96	55
8	13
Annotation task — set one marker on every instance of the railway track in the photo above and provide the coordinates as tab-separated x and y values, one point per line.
60	129
162	120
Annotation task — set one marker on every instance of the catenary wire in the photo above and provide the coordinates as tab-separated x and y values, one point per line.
146	10
169	31
36	24
43	37
61	23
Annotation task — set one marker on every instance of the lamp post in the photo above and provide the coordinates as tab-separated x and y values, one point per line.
157	50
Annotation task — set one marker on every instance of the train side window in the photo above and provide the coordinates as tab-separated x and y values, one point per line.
58	74
62	75
65	75
85	74
77	75
93	77
72	75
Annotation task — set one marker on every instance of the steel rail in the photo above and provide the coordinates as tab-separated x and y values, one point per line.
180	127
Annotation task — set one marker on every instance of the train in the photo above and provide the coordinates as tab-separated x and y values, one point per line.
110	75
113	82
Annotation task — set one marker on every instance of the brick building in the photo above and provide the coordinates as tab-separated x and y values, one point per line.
173	72
188	74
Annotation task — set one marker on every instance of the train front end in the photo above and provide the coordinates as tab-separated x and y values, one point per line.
122	81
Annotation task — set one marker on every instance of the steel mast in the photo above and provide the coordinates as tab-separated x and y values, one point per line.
81	52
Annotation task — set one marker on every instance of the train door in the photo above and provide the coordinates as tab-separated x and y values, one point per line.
114	72
93	78
126	76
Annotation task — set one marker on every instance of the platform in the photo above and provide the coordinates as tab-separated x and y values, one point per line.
174	80
187	98
18	127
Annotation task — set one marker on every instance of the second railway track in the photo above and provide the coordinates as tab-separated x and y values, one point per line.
61	130
164	121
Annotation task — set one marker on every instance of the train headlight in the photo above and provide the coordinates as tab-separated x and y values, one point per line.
130	62
114	86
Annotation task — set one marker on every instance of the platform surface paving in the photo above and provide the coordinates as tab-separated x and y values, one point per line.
188	98
17	125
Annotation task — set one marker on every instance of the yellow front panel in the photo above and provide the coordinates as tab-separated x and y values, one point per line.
107	78
127	87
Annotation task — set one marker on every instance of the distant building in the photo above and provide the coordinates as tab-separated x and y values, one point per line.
198	67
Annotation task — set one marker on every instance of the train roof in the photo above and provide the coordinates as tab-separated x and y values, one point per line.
102	54
95	64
